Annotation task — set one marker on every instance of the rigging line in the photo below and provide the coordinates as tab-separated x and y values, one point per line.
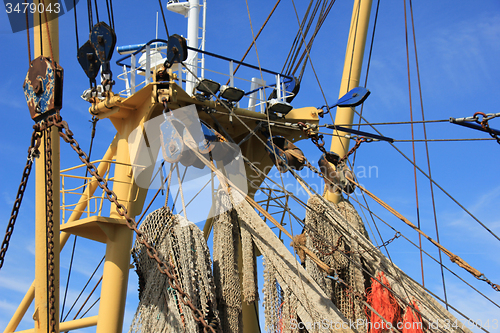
194	197
305	33
295	41
69	276
454	258
413	143
163	16
397	122
28	36
96	11
293	48
354	44
48	32
90	279
181	191
39	29
321	19
89	14
312	66
446	140
430	256
112	13
90	308
154	197
427	147
255	38
299	201
109	14
178	190
368	69
88	297
76	27
439	186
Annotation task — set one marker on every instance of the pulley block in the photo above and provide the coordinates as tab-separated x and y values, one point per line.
172	143
286	153
176	50
336	178
103	39
43	88
89	60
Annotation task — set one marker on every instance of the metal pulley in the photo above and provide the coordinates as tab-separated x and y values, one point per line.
286	152
89	61
172	143
103	39
336	178
43	88
176	50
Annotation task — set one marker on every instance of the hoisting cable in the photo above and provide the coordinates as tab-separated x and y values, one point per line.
163	16
89	15
28	35
110	15
255	38
96	11
32	153
413	143
76	27
296	40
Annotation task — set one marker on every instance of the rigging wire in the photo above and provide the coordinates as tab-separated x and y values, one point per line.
163	16
69	276
413	143
96	11
88	281
435	183
310	61
28	36
76	27
254	40
427	148
89	15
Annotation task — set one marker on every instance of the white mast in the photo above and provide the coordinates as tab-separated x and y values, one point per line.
191	10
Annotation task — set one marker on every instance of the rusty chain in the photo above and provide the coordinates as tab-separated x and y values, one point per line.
484	124
32	153
49	204
66	134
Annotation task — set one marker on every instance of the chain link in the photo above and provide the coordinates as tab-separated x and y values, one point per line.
49	193
164	267
32	153
484	123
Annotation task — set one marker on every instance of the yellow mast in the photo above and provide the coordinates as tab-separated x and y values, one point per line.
350	78
48	46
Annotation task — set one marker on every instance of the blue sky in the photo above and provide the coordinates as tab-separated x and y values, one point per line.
458	51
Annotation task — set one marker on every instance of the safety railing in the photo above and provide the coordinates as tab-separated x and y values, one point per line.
259	84
75	198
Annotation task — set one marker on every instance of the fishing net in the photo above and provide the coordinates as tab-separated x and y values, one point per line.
339	253
227	234
181	244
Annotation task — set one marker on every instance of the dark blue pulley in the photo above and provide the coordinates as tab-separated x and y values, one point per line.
103	39
353	98
176	50
89	60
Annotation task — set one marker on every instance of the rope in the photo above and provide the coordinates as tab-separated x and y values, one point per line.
255	38
48	33
413	143
163	16
76	27
427	148
435	183
28	35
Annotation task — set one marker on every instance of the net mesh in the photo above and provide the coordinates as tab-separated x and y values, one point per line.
181	244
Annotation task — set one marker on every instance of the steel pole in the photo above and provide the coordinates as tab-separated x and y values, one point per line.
350	78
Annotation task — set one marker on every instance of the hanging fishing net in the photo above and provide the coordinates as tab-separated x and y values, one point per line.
181	244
